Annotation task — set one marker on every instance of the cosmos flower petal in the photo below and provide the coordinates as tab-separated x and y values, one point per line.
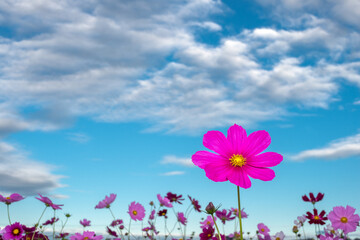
217	142
349	211
237	137
239	177
202	158
257	142
268	159
218	171
265	174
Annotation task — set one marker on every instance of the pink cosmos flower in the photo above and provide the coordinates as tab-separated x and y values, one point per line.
344	218
85	222
152	215
207	222
235	212
278	236
13	231
136	211
312	198
300	221
107	201
48	202
12	198
207	233
164	201
238	156
263	229
181	218
224	215
56	206
316	218
86	235
51	221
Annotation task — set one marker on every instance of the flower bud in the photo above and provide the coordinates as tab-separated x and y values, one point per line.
210	208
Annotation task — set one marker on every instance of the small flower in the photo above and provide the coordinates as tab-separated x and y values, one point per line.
295	229
13	231
15	197
344	219
300	221
195	203
224	215
107	201
136	211
45	200
62	235
238	156
181	218
235	212
207	233
278	236
88	235
162	213
313	199
51	221
263	229
116	222
207	222
56	206
164	201
85	222
316	218
111	232
152	215
174	198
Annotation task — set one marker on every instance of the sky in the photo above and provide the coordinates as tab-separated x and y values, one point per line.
100	97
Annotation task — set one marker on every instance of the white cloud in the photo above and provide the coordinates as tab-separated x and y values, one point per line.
22	175
357	102
171	159
341	148
173	173
79	137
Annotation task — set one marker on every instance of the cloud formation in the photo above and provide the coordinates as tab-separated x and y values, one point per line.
173	173
171	159
338	149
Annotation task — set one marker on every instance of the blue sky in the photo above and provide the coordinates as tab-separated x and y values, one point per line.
114	97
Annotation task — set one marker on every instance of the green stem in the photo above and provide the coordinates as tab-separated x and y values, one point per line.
8	211
216	226
54	226
304	232
129	229
62	228
37	224
239	210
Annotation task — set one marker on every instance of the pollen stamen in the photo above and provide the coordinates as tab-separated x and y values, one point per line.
344	220
237	160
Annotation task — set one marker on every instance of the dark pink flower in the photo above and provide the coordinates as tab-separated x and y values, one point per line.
107	201
62	235
238	156
48	202
312	198
85	222
51	221
195	204
56	206
13	231
235	212
316	218
15	197
224	215
88	235
174	198
111	232
164	201
207	233
181	218
152	215
207	222
344	219
136	211
263	229
116	222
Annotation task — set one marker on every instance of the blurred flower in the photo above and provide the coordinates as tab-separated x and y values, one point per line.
56	206
45	200
51	221
279	236
295	229
300	221
235	212
263	229
224	215
88	235
207	222
151	227
107	201
207	233
164	201
85	222
316	218
195	203
181	218
136	211
111	232
344	219
238	156
174	198
152	215
162	213
15	197
313	199
116	222
216	237
13	231
62	235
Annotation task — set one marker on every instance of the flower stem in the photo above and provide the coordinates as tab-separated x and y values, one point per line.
217	229
129	229
8	211
304	232
239	210
54	226
37	224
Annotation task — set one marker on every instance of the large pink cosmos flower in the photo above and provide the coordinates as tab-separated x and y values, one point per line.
12	198
136	211
107	201
238	156
86	235
13	231
344	218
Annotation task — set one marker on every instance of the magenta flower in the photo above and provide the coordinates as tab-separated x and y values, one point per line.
152	215
62	235
195	204
344	219
235	212
107	201
51	221
56	206
238	156
207	233
111	232
263	229
136	211
15	197
174	198
88	235
116	222
48	202
164	201
312	198
224	215
85	222
316	218
181	218
13	231
207	222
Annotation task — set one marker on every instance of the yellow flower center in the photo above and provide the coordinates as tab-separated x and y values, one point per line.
85	238
135	212
7	197
237	160
208	222
263	230
209	235
16	231
277	238
344	220
316	217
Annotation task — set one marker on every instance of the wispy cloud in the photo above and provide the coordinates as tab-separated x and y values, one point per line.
338	149
79	137
173	173
171	159
357	102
